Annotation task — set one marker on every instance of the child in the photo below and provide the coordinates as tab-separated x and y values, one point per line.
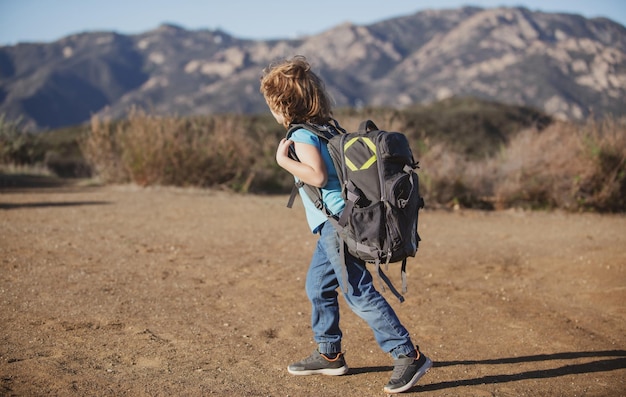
295	94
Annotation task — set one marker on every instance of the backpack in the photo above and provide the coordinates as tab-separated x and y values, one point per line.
376	170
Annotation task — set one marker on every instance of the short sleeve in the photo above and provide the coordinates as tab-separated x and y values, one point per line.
304	136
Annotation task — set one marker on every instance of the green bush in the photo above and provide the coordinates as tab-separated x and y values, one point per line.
56	152
15	144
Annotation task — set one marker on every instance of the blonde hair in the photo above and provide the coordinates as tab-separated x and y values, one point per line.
292	90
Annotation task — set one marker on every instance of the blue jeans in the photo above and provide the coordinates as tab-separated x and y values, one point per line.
325	277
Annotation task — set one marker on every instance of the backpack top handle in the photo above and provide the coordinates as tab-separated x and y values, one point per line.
367	126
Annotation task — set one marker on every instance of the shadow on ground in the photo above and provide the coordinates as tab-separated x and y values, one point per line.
604	365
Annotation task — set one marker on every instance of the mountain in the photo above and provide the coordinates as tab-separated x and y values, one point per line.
566	65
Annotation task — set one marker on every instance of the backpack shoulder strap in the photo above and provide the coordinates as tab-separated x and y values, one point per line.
325	133
322	131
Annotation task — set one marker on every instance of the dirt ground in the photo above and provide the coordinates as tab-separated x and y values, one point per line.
126	291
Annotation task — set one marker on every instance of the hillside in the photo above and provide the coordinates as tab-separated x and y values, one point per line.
566	65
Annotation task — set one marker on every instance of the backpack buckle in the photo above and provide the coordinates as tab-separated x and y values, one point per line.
319	204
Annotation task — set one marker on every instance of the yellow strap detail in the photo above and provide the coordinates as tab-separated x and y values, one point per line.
369	162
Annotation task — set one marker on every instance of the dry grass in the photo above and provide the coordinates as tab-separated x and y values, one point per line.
152	150
578	167
568	166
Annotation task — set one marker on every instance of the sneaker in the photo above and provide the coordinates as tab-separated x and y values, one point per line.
318	363
406	372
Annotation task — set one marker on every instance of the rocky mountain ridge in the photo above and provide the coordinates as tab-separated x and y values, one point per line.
564	64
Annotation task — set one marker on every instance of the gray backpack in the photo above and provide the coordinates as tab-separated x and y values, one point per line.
376	170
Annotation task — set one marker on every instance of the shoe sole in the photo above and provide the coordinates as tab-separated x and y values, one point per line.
418	375
326	371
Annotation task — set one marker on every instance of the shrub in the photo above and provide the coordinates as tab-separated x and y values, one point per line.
569	166
602	185
153	150
102	150
15	144
528	161
537	168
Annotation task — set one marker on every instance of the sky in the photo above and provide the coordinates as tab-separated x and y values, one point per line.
50	20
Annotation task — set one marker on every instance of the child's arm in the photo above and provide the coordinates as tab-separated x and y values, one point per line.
310	169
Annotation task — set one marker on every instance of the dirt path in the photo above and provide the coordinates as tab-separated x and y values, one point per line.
122	291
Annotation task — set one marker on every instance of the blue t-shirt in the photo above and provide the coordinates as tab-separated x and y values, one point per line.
331	193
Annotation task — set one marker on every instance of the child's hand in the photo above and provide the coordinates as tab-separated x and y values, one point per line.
308	166
282	153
